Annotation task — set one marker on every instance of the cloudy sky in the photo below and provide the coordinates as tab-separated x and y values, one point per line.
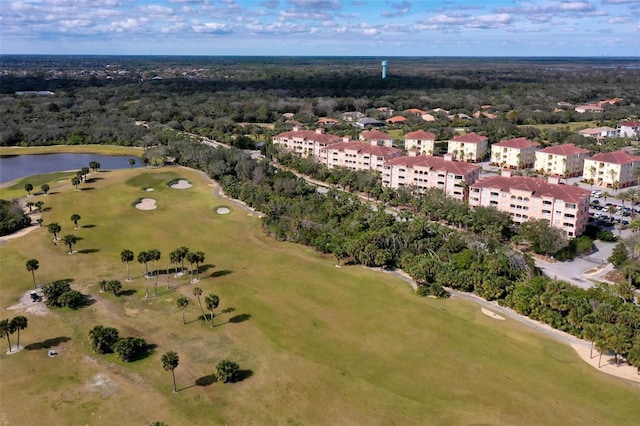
322	27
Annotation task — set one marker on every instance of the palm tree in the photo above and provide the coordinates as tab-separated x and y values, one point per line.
211	301
182	302
605	195
191	257
32	266
197	292
132	162
143	257
75	181
30	204
28	187
198	259
6	330
70	240
85	171
174	258
54	228
39	221
126	256
75	218
182	254
39	204
115	286
170	361
19	323
154	255
45	188
94	165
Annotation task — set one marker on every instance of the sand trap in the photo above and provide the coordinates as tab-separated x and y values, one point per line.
491	314
181	184
149	189
146	204
608	364
223	210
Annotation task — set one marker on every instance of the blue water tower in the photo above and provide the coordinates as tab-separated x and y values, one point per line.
384	69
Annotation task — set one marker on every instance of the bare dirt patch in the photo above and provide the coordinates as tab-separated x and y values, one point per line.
29	305
181	184
146	204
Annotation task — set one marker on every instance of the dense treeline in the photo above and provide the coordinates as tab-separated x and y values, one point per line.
97	100
436	255
12	217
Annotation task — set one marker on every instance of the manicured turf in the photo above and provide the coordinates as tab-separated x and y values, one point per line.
317	344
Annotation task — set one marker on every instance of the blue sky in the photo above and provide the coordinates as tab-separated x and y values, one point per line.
322	27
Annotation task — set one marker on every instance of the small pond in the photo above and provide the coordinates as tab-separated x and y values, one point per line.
18	166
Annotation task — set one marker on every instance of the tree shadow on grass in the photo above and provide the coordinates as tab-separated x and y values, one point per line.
49	343
148	350
93	179
128	292
221	273
239	318
88	226
243	375
88	251
87	189
206	380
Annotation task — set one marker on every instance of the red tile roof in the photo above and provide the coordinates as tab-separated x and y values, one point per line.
310	135
420	135
617	157
518	143
470	138
397	119
539	187
566	150
365	148
415	111
432	162
630	124
375	135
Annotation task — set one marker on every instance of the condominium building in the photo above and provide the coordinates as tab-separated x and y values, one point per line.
376	137
425	171
564	206
469	147
612	169
561	160
357	155
518	153
629	129
305	142
420	140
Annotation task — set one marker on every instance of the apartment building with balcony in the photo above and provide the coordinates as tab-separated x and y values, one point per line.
357	155
421	140
518	153
563	206
565	160
305	143
469	147
376	137
425	171
612	169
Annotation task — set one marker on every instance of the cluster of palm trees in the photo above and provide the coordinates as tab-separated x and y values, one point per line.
8	327
176	257
70	239
211	301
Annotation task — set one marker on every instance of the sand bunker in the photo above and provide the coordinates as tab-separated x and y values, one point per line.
607	364
146	204
491	314
223	210
149	189
181	184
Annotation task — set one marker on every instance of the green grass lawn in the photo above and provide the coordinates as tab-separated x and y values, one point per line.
316	344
